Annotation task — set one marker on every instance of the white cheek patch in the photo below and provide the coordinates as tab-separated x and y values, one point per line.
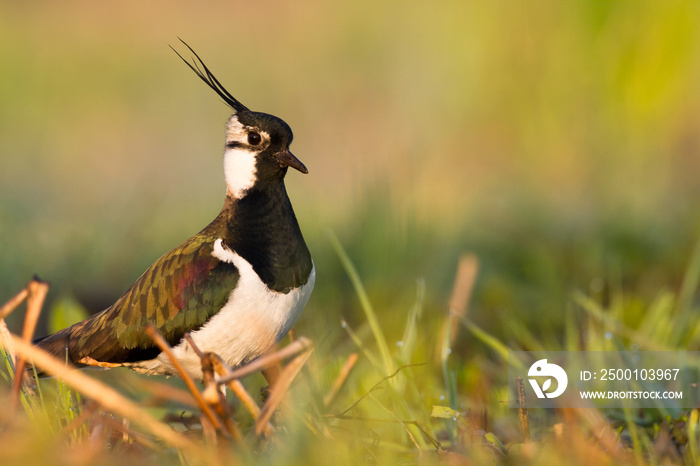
235	131
239	170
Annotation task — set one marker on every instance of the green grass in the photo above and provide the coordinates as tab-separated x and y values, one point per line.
412	402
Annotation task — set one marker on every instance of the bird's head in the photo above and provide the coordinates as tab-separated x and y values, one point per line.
257	144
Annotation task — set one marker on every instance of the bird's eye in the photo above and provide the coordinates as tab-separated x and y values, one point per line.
254	138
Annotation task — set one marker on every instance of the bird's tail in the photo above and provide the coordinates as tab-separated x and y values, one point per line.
57	345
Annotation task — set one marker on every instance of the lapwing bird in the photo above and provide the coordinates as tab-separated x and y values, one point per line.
238	286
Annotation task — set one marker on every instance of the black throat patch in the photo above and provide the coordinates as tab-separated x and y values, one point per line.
261	227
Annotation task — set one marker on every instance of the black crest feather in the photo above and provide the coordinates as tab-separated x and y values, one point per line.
210	79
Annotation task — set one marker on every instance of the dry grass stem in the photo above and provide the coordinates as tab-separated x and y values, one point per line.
208	432
263	362
467	270
340	380
6	342
216	398
106	396
201	403
35	301
97	439
281	387
12	304
193	345
221	368
125	427
237	387
522	410
212	394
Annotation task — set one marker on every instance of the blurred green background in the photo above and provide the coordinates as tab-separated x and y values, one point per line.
558	141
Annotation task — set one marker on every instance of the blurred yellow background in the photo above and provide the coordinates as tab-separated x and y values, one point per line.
557	140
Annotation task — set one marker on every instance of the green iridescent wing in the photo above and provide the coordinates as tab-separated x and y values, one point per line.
177	294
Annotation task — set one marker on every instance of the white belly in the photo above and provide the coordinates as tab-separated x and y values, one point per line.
252	321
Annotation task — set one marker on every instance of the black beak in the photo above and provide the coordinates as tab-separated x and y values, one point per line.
288	159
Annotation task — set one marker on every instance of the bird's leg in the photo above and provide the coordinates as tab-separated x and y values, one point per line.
88	361
271	374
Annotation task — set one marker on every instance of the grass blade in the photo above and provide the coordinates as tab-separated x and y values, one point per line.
364	302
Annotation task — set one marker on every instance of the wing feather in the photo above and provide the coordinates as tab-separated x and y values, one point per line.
177	294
